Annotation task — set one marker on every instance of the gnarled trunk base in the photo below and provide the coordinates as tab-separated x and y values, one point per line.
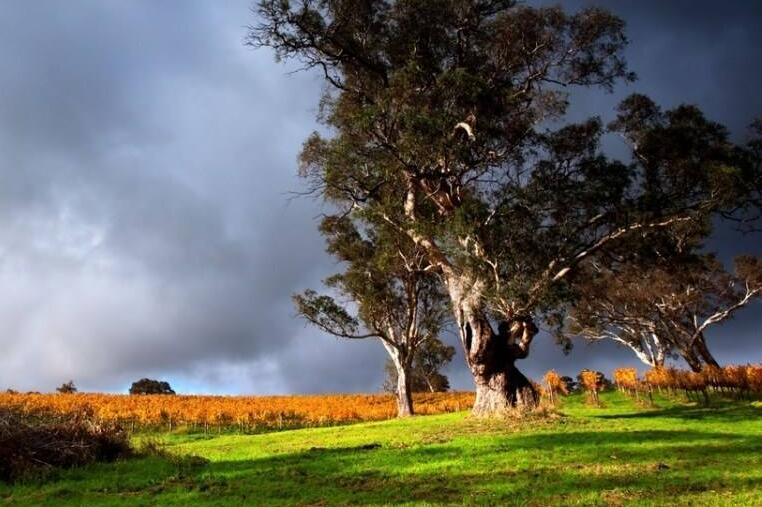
491	357
504	392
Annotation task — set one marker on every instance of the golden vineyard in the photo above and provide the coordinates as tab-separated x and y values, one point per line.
263	413
217	413
734	380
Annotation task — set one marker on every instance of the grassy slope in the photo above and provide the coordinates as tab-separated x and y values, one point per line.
672	455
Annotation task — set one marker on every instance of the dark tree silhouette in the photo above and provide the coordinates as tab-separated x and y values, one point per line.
149	386
67	388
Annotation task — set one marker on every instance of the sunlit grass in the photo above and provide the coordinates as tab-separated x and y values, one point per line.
619	454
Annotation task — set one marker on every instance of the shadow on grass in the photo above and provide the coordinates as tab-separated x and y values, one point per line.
717	410
513	470
548	468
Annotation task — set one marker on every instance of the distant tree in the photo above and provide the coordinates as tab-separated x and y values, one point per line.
67	388
704	296
571	385
149	386
388	292
429	361
426	374
665	309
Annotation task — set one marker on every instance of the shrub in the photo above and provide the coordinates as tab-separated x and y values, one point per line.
593	382
555	385
67	388
148	386
626	379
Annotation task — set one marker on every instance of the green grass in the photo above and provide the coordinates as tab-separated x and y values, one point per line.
674	454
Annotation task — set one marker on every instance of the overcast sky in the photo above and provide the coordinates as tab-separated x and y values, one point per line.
146	229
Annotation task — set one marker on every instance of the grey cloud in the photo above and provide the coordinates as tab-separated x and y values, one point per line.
146	157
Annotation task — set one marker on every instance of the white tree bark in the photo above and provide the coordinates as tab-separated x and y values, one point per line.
402	364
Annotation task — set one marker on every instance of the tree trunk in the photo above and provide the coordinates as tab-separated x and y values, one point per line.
692	359
490	357
501	391
404	395
701	350
659	351
646	357
402	359
659	359
500	386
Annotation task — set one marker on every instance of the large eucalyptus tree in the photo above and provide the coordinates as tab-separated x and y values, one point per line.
446	119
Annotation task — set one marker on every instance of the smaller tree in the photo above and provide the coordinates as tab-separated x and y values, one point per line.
428	362
149	386
389	293
67	388
425	373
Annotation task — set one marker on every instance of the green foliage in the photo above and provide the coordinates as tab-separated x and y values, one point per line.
325	313
149	386
385	279
453	131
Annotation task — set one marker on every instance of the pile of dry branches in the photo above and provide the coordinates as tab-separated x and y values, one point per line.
31	446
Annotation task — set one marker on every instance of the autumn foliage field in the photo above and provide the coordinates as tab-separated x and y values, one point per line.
254	414
248	414
737	381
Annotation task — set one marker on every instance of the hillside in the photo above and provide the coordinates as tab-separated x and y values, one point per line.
674	454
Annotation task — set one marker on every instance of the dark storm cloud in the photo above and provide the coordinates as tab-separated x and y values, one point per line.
146	159
145	226
693	52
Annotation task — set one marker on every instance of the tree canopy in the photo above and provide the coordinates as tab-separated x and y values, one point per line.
664	309
453	131
385	291
150	386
